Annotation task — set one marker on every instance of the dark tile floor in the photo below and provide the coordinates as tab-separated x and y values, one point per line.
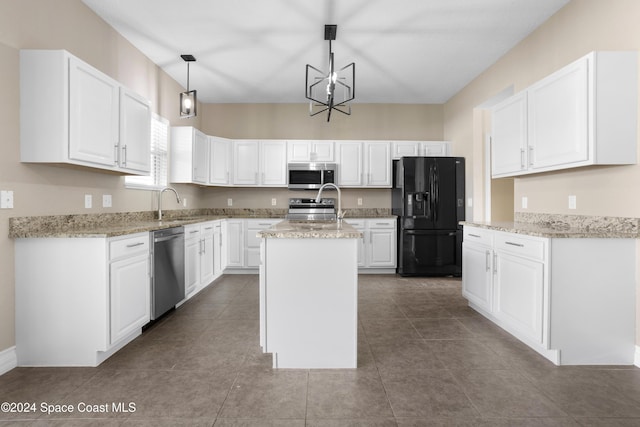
425	359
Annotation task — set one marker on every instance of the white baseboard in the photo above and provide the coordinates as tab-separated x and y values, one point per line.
636	359
8	360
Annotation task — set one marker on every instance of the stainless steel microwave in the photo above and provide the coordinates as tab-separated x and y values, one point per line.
310	176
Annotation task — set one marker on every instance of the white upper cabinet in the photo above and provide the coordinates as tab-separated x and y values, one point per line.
584	114
509	136
401	149
558	113
273	163
220	161
364	164
135	132
435	148
377	164
310	151
93	115
246	162
349	156
189	155
260	163
72	113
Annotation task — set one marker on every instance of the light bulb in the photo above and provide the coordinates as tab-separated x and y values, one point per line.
187	103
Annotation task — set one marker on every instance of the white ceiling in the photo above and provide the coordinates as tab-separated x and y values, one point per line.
255	51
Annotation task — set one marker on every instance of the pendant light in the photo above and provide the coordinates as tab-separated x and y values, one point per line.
332	90
188	99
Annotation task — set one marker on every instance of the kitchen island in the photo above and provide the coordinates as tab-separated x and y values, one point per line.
309	294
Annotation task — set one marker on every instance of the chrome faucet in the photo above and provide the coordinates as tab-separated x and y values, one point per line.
160	199
340	214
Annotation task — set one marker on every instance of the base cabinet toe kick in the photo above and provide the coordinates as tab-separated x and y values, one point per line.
570	299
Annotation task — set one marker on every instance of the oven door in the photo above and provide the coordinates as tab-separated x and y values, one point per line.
430	252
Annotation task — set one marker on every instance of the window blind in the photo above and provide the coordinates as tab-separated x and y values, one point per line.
157	179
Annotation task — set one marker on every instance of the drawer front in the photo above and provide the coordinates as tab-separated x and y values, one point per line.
192	231
477	235
525	246
254	226
207	227
359	224
381	223
130	245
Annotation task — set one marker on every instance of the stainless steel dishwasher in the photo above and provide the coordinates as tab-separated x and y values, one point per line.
167	280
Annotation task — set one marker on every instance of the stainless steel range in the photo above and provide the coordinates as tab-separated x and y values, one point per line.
310	210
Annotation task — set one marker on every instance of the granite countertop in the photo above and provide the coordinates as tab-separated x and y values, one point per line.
565	226
119	224
311	230
105	230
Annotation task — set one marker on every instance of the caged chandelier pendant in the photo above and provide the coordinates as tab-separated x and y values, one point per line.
188	99
328	91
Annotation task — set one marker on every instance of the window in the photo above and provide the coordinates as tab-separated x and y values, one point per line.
159	158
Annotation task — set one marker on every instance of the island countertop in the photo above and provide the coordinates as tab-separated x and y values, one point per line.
289	229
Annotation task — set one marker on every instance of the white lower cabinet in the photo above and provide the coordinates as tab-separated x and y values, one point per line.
200	254
477	285
233	243
253	226
130	298
518	291
377	248
87	299
570	299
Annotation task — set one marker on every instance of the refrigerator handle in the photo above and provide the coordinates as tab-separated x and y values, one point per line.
435	178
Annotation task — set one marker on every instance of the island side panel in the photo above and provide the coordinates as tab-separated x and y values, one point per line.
311	302
593	301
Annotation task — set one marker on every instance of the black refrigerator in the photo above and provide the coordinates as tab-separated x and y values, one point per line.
428	199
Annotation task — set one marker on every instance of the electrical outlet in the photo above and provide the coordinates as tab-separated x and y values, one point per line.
572	202
359	201
274	202
184	202
87	201
6	199
106	200
469	202
229	202
525	202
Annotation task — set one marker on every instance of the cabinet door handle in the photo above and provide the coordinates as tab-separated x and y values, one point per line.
194	231
531	155
474	235
522	158
487	260
520	245
208	228
124	155
495	263
133	245
115	154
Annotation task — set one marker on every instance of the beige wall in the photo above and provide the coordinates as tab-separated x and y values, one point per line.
51	190
580	27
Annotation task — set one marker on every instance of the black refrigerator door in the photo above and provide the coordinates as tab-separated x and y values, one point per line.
430	252
444	197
